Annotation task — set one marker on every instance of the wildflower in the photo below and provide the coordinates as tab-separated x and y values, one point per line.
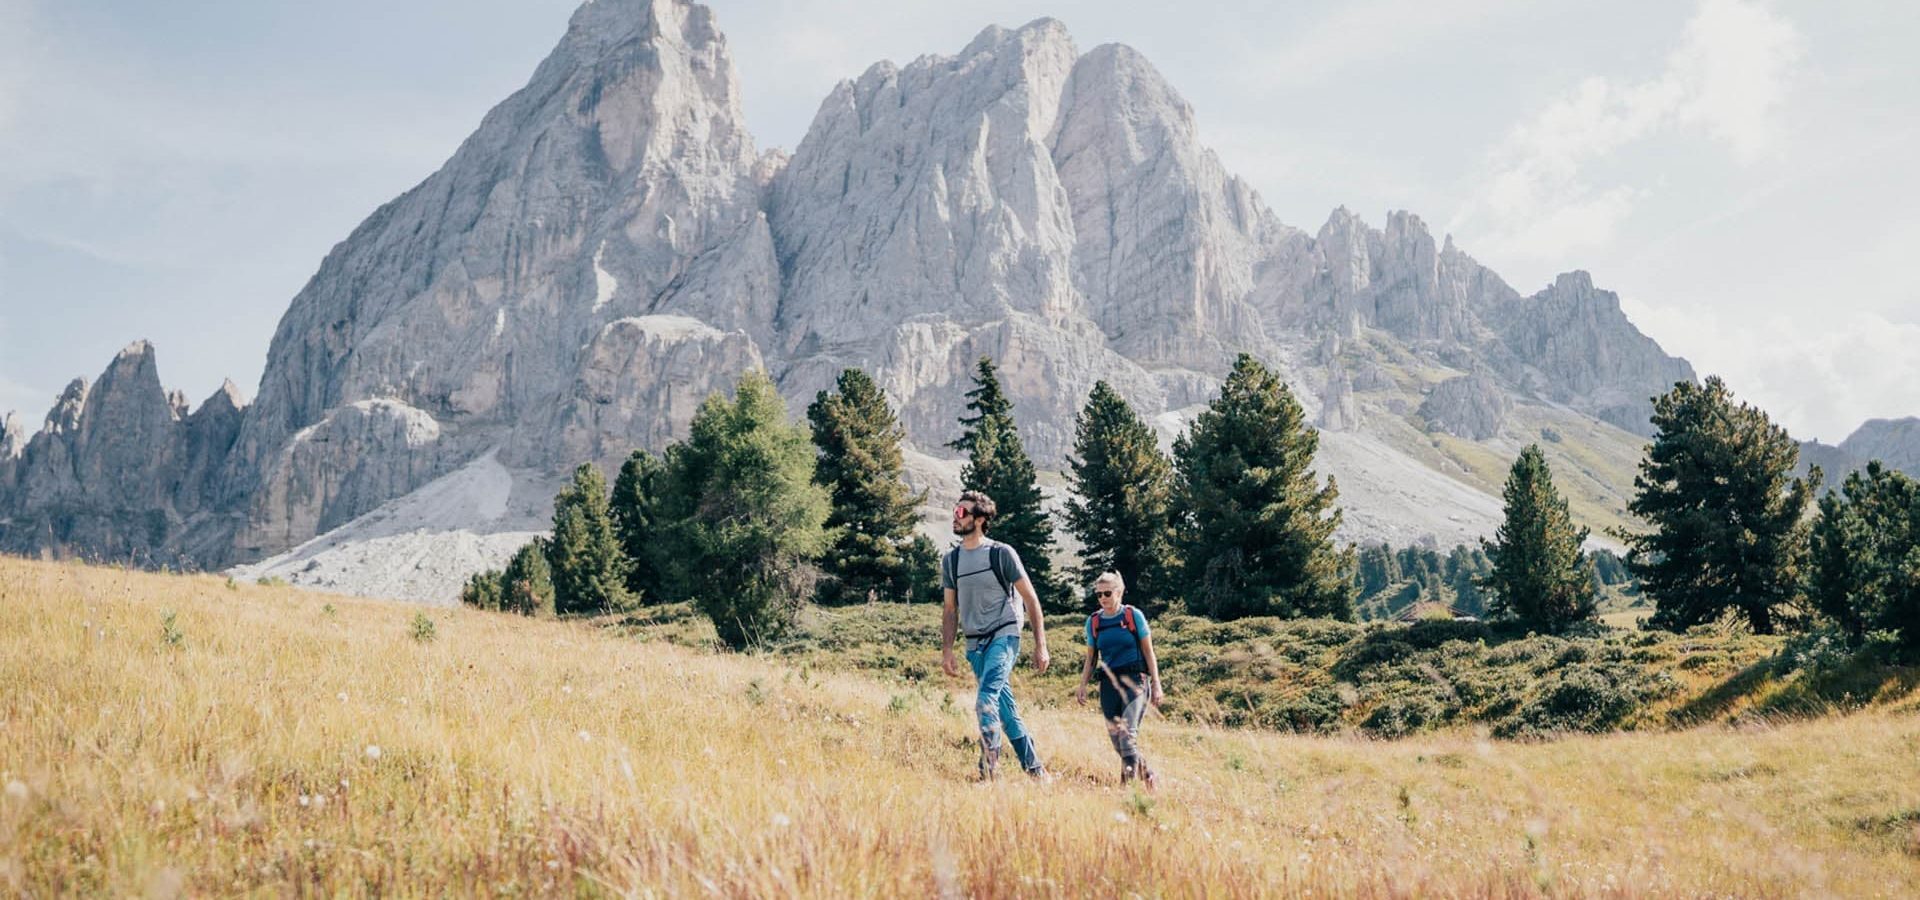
158	807
16	790
304	800
373	751
343	784
319	800
566	689
585	736
342	696
1120	817
780	820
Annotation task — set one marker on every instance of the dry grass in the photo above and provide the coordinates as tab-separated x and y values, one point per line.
544	757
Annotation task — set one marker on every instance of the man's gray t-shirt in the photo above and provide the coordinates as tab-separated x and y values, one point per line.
985	609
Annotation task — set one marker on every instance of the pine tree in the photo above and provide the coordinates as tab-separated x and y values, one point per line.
1865	562
634	507
483	590
874	550
984	401
1000	468
1717	486
742	515
1120	509
589	569
526	587
1539	575
1256	530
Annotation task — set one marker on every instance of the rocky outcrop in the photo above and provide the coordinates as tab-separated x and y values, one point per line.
1895	442
1571	344
1470	406
1349	277
121	470
643	378
619	182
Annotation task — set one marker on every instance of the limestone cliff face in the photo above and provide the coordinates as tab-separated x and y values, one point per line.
120	471
1571	344
1895	442
608	248
460	317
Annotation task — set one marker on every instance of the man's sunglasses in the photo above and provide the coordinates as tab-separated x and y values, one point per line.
1106	593
965	511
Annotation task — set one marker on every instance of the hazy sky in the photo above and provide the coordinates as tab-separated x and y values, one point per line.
1745	174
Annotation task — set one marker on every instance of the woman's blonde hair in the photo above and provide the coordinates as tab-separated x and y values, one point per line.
1114	577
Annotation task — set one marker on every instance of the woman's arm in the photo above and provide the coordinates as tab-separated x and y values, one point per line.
1153	668
1086	675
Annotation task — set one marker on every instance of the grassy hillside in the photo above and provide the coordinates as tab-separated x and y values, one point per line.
163	735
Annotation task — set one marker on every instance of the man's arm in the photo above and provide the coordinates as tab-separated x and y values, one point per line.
949	623
1040	657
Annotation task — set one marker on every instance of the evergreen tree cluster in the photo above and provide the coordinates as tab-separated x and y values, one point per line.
1865	555
1390	580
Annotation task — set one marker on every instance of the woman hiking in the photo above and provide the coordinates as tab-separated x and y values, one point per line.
1121	646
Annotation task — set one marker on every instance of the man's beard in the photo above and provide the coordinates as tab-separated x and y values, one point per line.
965	529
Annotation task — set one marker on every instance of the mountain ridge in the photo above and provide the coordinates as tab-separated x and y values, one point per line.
608	247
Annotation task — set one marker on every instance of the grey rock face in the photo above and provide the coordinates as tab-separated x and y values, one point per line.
1470	406
120	471
619	182
1895	442
1571	344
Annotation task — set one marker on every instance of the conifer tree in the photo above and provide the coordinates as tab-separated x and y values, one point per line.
634	507
526	587
589	569
742	514
1120	509
1717	486
873	550
1255	535
985	400
998	466
1539	575
483	590
1865	562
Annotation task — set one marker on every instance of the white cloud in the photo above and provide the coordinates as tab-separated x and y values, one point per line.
1538	200
1735	64
1820	381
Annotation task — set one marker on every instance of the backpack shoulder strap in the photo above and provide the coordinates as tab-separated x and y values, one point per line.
1126	618
950	566
998	562
1093	625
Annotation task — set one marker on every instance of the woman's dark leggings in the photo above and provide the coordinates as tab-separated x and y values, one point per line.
1123	700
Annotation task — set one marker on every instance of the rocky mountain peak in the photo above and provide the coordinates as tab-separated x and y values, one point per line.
13	436
64	417
1895	442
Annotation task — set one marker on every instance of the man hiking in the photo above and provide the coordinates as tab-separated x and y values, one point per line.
1120	644
982	577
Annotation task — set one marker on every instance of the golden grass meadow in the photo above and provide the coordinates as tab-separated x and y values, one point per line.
171	735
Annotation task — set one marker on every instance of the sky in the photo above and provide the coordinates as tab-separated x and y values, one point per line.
1741	172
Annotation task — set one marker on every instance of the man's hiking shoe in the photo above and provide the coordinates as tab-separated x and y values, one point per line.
1146	778
1126	772
1040	774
